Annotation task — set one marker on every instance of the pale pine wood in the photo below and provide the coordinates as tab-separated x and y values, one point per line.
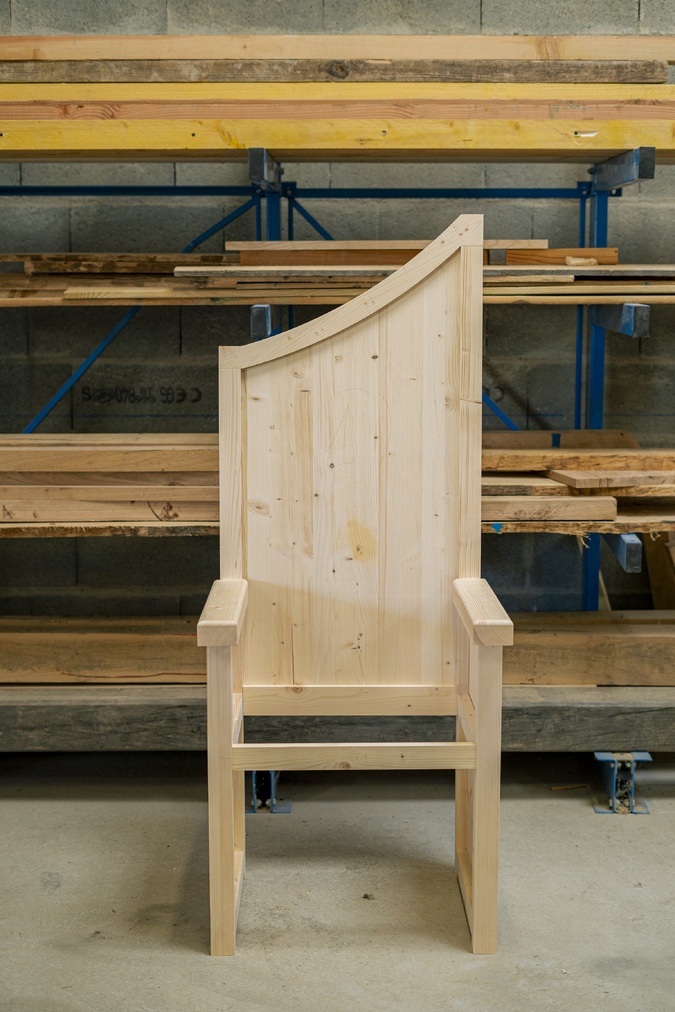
362	756
481	612
477	832
348	700
350	489
225	867
222	619
343	47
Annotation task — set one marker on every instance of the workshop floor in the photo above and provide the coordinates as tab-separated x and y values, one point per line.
350	902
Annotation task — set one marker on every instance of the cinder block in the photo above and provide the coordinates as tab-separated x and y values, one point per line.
425	219
657	17
556	564
661	187
575	17
10	174
505	382
176	564
35	17
13	332
343	219
33	226
533	175
544	332
642	230
205	328
97	174
147	397
27	387
506	562
37	562
215	17
5	17
550	396
418	174
640	397
213	173
145	226
309	173
73	333
400	17
558	221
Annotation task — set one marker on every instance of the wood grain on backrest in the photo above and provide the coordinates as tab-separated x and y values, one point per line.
350	478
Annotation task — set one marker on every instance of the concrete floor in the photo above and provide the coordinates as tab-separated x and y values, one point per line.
103	894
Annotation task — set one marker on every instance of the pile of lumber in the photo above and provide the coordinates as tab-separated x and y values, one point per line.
347	96
583	649
323	273
570	482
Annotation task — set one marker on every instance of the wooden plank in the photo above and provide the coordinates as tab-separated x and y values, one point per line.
482	615
79	495
603	255
521	484
620	654
110	529
613	479
525	439
29	510
605	459
82	457
354	70
222	618
354	47
86	718
361	756
528	507
345	700
102	651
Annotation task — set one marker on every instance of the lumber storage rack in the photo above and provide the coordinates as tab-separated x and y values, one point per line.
266	196
172	716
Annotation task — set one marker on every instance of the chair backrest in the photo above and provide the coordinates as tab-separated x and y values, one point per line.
350	485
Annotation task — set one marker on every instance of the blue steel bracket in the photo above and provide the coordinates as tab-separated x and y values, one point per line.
628	550
263	170
617	770
264	794
265	321
628	167
631	318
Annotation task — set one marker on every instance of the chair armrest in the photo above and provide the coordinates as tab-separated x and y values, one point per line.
482	614
222	619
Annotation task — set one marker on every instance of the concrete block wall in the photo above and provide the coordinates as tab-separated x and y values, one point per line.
529	352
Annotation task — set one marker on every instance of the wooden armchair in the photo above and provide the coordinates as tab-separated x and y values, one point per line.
350	460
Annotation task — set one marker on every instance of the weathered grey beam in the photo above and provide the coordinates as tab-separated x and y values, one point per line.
497	71
165	718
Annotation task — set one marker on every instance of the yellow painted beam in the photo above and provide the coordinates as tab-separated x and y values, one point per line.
290	139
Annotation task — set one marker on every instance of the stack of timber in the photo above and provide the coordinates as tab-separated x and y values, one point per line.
325	97
167	484
322	273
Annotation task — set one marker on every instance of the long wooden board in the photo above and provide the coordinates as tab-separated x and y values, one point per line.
575	459
354	47
613	479
352	70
